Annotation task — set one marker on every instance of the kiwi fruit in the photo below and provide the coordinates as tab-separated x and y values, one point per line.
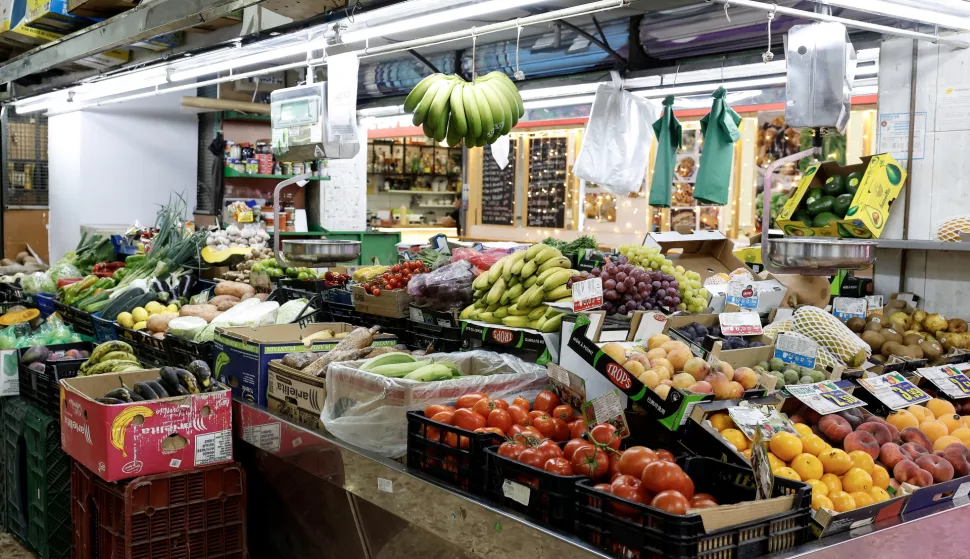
912	339
874	339
856	324
891	335
877	359
914	351
873	326
876	319
892	348
931	350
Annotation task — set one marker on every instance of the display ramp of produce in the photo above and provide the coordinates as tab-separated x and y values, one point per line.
475	527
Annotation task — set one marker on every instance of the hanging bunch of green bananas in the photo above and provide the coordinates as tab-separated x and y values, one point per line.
449	108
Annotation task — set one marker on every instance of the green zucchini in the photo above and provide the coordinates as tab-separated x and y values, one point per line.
122	303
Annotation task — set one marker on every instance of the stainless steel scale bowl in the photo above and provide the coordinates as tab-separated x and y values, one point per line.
310	252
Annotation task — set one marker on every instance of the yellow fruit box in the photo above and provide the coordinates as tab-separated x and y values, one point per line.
867	214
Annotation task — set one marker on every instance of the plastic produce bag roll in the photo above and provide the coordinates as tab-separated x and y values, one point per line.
669	136
616	143
720	130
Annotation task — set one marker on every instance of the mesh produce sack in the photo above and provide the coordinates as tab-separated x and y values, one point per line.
951	229
772	329
370	410
830	333
722	278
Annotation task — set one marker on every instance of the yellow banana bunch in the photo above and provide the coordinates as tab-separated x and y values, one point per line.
121	422
368	273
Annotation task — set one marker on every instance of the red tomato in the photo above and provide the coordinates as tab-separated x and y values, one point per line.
501	404
564	412
577	428
562	430
431	411
522	403
533	432
515	430
614	469
635	459
666	456
629	493
511	449
702	501
625	480
494	430
671	501
546	401
535	414
519	416
499	418
558	466
446	417
605	434
433	434
591	462
469	420
483	407
684	485
550	449
660	476
470	399
604	487
533	457
453	440
545	425
375	292
572	446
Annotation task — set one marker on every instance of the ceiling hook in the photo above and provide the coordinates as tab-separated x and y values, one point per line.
768	56
519	74
676	73
727	4
474	43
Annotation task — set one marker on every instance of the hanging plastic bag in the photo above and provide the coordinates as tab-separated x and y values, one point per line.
616	143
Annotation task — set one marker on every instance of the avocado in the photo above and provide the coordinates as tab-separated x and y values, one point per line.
798	231
842	204
894	174
852	182
823	204
812	195
802	216
823	219
834	186
844	232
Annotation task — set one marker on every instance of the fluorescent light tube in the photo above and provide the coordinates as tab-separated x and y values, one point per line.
951	14
268	55
710	87
559	91
559	102
435	18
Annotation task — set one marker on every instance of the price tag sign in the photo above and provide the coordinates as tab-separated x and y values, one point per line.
744	294
849	307
587	294
740	323
797	350
893	390
874	301
951	381
824	397
607	408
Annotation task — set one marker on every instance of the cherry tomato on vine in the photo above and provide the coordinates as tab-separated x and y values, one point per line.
564	412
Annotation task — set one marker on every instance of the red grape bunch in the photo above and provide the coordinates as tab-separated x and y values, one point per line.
627	288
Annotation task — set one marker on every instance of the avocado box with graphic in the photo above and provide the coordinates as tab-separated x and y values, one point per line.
242	355
850	202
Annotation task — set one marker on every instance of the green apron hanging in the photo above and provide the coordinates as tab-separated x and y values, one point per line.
720	130
669	136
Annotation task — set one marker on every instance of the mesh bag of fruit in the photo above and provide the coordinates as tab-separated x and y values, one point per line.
950	230
829	333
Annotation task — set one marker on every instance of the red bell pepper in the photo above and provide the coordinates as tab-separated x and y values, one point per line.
63	282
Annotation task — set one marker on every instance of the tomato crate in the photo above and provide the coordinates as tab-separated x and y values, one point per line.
42	389
542	495
104	330
461	464
653	533
15	467
49	487
148	349
181	352
192	514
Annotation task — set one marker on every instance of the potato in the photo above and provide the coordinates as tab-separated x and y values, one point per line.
224	302
234	288
159	322
207	312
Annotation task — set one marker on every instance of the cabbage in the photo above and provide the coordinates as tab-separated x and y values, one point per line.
64	270
257	315
187	327
39	282
291	310
227	317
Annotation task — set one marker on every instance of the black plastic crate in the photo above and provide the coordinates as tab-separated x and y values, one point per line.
104	330
11	292
448	453
343	313
63	310
42	389
81	321
551	497
181	352
444	339
339	295
49	487
430	316
148	349
15	467
399	327
653	533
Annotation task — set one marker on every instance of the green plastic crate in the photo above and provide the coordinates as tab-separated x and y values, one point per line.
15	467
48	487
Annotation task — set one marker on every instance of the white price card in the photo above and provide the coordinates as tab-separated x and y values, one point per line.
950	380
849	307
740	324
744	294
894	390
824	397
873	301
797	350
587	294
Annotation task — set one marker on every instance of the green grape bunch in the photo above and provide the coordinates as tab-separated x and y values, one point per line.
693	297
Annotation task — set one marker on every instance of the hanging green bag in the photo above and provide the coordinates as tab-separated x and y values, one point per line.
669	136
720	130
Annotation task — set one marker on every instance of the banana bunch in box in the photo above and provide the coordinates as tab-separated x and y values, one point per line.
449	108
513	291
110	357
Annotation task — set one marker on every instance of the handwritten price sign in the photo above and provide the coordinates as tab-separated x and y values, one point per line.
951	381
587	294
824	397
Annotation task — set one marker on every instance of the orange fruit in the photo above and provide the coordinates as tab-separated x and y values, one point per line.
803	430
921	413
952	421
807	466
736	438
788	473
746	453
835	461
842	501
861	459
818	488
862	499
813	444
722	421
785	445
880	477
775	462
945	441
901	419
821	501
963	433
933	430
832	481
856	479
879	494
940	407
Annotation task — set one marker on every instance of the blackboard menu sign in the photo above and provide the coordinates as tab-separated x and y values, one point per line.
498	188
547	182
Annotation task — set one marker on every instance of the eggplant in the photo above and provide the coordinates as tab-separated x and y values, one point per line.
186	285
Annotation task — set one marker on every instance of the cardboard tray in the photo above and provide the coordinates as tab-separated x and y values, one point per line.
392	304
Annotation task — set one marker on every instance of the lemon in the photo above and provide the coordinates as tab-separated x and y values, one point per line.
139	325
172	309
154	307
139	314
125	319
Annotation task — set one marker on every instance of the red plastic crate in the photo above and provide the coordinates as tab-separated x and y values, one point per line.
196	514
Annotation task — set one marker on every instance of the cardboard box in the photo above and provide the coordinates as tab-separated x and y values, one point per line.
826	522
155	437
99	8
53	15
869	211
242	355
294	413
18	36
706	252
297	395
747	357
392	304
528	344
771	294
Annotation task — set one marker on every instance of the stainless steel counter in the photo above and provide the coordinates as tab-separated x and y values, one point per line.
312	495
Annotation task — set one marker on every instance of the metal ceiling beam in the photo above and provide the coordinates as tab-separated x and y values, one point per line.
144	21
